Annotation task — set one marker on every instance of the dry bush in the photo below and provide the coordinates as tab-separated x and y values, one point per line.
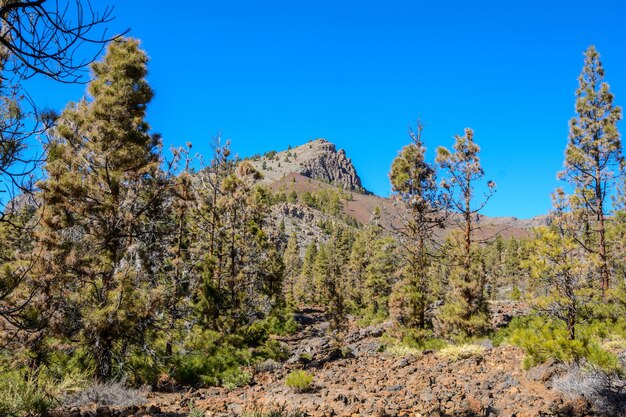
605	391
108	393
268	365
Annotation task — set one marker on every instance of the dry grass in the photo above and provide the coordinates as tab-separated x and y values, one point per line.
458	352
402	350
281	411
615	345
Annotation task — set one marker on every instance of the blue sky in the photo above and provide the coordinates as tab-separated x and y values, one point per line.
358	73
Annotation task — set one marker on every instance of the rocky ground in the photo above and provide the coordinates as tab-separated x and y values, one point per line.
362	380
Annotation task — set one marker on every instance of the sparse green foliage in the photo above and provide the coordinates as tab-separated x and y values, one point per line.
465	310
235	378
592	158
304	287
415	183
293	268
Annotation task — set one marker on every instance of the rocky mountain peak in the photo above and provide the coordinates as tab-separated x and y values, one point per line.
318	159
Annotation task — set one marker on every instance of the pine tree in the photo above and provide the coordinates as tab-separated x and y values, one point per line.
465	310
415	184
240	266
177	267
558	266
380	276
103	181
19	312
328	272
39	40
592	157
360	255
515	268
304	288
293	267
493	258
321	272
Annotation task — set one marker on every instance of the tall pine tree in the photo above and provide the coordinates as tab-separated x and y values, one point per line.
465	310
414	181
103	180
593	157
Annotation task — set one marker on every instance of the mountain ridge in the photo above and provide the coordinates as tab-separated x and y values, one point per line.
318	165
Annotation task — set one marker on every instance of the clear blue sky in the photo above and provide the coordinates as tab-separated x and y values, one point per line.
269	74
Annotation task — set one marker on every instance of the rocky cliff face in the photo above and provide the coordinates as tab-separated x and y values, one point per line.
318	159
302	221
332	166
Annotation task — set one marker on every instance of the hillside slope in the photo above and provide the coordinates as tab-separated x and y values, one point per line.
317	166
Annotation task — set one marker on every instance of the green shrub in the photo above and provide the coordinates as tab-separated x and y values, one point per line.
299	381
271	349
516	294
259	331
422	339
503	335
543	339
206	357
24	396
194	411
234	378
143	368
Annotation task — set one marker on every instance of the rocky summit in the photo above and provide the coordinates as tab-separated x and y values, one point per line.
319	160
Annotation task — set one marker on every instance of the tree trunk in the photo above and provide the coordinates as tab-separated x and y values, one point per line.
104	360
604	266
420	283
571	325
468	227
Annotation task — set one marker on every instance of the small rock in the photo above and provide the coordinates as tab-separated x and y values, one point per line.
153	409
103	411
394	388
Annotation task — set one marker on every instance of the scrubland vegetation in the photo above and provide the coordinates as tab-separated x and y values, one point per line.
127	267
